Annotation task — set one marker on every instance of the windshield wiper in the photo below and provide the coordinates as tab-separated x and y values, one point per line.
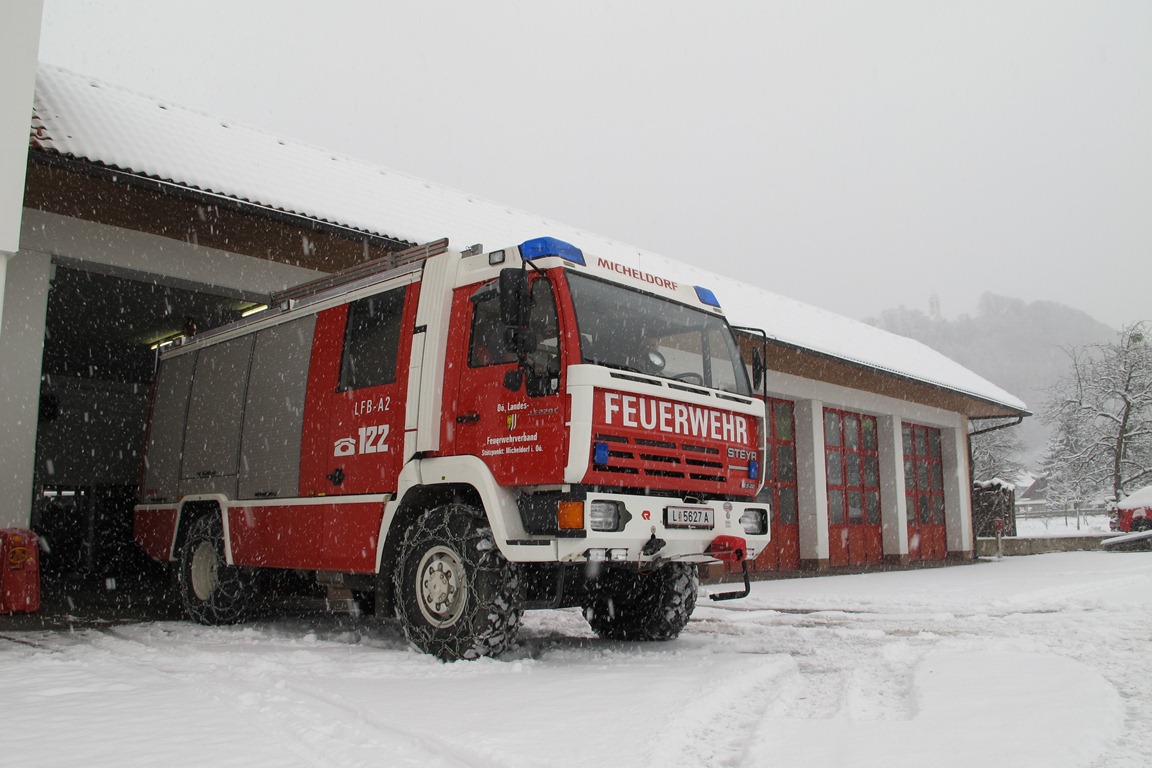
617	366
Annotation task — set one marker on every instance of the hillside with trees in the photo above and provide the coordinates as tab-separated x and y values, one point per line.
1023	347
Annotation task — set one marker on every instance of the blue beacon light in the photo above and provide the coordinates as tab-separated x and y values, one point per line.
707	297
539	247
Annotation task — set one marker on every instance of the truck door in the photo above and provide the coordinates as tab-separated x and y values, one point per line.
519	433
358	380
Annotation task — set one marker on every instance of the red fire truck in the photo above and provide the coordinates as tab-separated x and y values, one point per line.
458	437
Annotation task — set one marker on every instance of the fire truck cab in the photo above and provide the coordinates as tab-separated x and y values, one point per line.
461	436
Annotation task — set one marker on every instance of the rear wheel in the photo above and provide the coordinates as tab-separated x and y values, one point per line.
644	605
456	595
212	591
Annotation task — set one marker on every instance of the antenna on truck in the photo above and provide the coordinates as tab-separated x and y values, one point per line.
360	271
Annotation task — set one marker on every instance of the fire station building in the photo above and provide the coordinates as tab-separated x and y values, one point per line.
139	219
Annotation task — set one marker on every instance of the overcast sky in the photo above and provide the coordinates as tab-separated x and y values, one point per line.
853	155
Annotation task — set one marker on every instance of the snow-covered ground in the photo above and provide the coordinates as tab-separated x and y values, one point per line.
1063	525
1029	661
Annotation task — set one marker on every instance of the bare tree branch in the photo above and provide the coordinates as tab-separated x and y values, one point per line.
1102	414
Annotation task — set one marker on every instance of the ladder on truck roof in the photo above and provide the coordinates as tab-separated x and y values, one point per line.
376	266
287	299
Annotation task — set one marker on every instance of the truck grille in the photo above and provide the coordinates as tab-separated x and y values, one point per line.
645	458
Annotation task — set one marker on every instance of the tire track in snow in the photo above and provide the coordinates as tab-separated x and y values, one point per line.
858	665
714	727
310	724
189	679
99	688
29	644
794	678
421	745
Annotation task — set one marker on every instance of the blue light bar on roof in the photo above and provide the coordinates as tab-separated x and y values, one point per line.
540	247
707	297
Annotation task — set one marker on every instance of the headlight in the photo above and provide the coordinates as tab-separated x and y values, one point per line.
604	515
754	521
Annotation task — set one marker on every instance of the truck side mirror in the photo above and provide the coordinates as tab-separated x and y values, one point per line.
515	300
758	369
520	341
514	379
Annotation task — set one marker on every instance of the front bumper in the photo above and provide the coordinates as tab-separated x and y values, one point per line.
649	528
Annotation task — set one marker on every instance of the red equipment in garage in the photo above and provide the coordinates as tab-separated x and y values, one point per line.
19	571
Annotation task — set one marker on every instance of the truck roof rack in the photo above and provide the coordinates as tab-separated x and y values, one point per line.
367	269
287	299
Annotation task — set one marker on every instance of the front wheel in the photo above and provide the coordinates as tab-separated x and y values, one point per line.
456	595
642	605
212	591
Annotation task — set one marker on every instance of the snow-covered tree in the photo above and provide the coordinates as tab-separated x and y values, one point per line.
995	454
1101	412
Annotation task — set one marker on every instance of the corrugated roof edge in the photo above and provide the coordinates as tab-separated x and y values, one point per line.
42	139
88	166
1021	410
52	78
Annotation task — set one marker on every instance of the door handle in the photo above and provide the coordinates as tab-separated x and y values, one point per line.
336	477
467	418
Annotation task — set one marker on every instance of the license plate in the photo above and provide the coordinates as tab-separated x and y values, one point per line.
688	517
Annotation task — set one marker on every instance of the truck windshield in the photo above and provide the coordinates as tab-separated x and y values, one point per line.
634	331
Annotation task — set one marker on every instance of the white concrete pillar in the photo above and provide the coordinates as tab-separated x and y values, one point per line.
21	353
19	47
957	491
4	256
893	502
811	484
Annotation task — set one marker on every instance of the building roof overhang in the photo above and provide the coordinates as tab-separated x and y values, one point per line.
86	128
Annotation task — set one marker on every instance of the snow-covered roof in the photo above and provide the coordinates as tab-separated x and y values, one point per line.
85	118
1137	500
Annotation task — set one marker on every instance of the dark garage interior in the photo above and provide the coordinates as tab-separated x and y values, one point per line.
99	358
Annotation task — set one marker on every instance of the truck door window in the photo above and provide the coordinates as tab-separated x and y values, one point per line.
724	361
487	343
544	363
372	340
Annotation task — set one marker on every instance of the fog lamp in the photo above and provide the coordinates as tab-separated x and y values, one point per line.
570	515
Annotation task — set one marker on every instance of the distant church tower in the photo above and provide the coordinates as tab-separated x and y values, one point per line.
934	307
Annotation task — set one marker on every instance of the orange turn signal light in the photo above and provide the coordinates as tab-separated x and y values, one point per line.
570	515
